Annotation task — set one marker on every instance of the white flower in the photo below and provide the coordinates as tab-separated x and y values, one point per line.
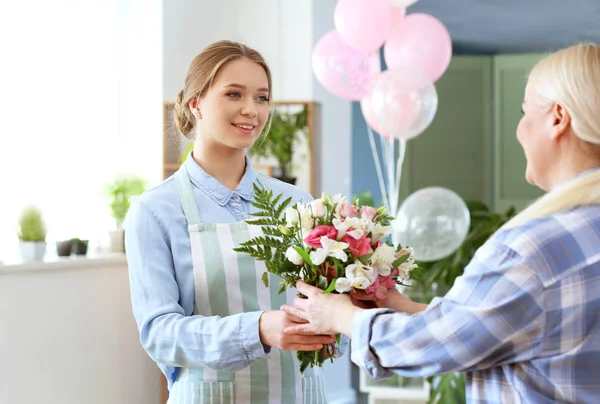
360	282
340	226
318	256
307	221
358	269
406	267
379	232
335	248
342	285
331	248
359	226
382	259
292	255
356	233
291	217
334	199
318	208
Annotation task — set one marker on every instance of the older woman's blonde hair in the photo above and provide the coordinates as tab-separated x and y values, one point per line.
570	77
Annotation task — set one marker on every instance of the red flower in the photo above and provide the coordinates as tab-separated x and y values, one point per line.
314	238
359	247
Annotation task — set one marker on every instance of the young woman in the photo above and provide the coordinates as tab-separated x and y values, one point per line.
203	313
523	320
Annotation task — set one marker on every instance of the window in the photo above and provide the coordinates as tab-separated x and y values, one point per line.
75	104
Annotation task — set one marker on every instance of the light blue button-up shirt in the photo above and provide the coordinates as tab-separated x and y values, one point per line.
162	278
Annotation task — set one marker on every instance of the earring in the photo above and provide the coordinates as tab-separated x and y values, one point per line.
198	114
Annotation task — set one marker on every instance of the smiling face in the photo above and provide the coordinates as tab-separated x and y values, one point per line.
235	109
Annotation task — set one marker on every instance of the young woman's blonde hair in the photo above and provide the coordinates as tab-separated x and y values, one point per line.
201	73
571	77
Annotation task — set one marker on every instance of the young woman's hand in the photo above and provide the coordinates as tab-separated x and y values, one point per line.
271	326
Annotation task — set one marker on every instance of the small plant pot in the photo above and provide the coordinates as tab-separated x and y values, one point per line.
117	241
63	248
79	247
32	250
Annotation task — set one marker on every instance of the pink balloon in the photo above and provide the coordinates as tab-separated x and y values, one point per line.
398	14
419	41
367	110
404	102
343	70
363	24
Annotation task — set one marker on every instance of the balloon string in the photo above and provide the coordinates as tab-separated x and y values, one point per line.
401	154
391	175
378	167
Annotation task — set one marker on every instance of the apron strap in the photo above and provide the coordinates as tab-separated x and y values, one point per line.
186	195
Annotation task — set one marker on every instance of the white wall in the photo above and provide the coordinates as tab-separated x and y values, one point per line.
67	336
280	30
336	129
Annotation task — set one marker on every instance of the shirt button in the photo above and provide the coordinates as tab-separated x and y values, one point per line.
236	198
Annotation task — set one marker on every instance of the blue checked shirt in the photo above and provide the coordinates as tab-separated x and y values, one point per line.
523	321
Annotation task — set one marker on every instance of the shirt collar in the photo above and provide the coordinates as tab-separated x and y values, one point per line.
217	191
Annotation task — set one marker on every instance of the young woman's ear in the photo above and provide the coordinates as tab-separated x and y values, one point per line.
195	107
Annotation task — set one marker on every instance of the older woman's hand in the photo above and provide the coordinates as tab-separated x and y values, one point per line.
325	313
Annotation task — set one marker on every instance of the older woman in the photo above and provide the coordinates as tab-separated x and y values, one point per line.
524	319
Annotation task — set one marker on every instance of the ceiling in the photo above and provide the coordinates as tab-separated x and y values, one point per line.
515	26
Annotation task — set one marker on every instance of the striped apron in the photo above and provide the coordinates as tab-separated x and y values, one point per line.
228	283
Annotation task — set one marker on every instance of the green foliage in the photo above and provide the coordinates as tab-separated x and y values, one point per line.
435	278
31	225
279	142
271	247
364	198
120	193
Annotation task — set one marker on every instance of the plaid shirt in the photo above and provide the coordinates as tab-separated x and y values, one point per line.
523	321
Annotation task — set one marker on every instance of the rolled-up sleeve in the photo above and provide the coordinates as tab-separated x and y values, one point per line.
169	336
493	315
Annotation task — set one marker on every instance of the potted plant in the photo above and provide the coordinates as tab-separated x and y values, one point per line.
32	234
120	194
279	142
79	246
63	248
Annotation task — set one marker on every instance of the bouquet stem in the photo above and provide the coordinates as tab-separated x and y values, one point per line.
312	358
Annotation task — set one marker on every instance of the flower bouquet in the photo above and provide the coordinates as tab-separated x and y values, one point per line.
329	243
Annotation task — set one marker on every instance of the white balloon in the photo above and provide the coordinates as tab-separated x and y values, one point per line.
403	3
434	221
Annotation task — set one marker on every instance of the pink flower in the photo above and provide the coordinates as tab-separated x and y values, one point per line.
368	212
376	245
359	247
377	289
403	251
314	238
347	210
388	281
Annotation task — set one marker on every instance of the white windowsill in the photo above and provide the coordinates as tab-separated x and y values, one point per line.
60	263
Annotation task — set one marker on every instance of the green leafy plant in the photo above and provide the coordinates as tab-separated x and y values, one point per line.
31	225
437	277
120	193
280	141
